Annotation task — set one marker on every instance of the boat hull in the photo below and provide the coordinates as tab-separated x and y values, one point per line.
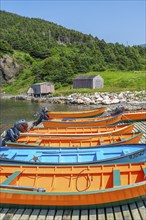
131	188
98	122
32	141
75	156
91	131
13	199
77	114
134	116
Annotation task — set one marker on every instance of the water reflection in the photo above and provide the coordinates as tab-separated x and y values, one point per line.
14	110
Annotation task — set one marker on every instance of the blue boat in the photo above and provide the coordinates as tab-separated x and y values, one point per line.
76	156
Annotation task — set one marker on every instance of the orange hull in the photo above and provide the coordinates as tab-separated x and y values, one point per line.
34	141
134	116
72	186
77	114
83	123
79	131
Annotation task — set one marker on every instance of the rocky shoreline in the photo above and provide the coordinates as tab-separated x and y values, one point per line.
131	100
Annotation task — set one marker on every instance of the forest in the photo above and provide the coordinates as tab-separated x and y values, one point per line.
49	52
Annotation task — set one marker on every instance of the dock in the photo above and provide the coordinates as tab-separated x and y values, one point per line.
133	211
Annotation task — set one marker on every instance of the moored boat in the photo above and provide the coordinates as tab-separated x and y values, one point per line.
44	141
104	121
139	115
79	131
74	156
73	187
77	114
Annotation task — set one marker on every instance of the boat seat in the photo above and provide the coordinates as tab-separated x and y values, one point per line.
11	178
116	178
144	170
11	155
99	155
125	151
25	142
38	142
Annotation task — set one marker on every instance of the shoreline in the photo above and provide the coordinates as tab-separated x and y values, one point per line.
131	100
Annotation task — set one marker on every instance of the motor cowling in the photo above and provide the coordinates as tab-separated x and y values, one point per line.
119	109
21	125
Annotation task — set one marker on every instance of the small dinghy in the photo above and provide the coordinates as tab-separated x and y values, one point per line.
71	187
45	141
74	156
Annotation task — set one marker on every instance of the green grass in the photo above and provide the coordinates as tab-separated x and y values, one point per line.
114	81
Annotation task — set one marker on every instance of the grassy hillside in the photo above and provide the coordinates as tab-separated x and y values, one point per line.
49	52
113	82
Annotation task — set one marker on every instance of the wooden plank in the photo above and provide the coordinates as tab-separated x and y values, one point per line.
34	214
67	215
134	212
118	213
58	215
109	213
26	214
3	213
18	214
11	178
75	215
51	214
101	214
144	170
144	201
84	214
43	214
10	214
142	209
92	214
116	178
126	212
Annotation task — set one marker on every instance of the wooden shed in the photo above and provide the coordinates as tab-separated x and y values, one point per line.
88	81
41	89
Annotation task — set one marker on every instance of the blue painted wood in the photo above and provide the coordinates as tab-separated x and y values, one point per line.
105	155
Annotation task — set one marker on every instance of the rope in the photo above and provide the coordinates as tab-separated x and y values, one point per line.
89	181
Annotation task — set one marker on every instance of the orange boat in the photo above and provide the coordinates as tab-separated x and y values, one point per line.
77	114
79	131
134	116
44	141
104	121
71	187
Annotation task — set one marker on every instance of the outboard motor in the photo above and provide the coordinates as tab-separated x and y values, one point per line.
21	125
118	110
43	115
13	133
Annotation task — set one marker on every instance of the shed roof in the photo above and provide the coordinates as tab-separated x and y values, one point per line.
86	77
42	83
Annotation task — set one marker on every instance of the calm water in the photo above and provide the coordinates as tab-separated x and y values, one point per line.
12	111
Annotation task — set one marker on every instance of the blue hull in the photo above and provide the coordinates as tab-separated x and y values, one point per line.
56	156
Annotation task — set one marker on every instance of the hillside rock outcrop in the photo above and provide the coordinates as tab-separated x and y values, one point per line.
8	69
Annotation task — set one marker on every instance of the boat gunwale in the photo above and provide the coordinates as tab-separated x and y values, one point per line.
117	188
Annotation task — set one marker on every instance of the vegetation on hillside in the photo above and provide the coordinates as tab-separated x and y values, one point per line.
50	52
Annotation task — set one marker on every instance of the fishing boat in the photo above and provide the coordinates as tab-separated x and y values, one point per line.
79	131
71	187
104	121
77	114
134	115
74	156
45	141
